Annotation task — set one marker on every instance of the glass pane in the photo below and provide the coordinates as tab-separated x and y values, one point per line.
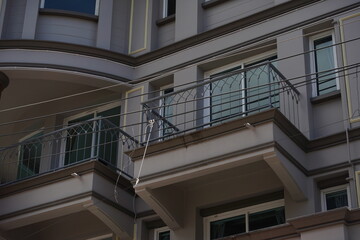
324	61
266	218
30	155
227	227
164	235
262	88
227	96
336	199
82	6
79	140
107	146
171	7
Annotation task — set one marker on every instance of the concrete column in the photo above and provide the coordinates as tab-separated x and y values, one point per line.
188	18
291	44
104	24
30	19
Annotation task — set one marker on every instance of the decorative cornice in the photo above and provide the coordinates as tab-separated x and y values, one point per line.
179	45
61	175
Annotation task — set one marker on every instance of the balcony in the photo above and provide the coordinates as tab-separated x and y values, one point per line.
97	139
220	99
227	133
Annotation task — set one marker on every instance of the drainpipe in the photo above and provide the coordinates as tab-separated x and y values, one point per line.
4	82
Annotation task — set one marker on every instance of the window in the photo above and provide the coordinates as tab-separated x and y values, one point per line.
162	233
30	155
167	111
324	64
91	136
81	6
335	197
238	93
244	220
169	7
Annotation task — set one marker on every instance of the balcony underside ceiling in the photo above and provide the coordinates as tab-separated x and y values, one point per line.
236	149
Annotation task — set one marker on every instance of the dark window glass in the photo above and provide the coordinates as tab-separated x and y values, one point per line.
30	155
266	218
82	6
324	63
168	112
227	227
107	148
171	5
164	235
336	199
79	140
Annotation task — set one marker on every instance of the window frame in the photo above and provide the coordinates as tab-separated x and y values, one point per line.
94	111
165	10
326	191
312	40
162	110
157	231
241	63
96	13
241	211
105	236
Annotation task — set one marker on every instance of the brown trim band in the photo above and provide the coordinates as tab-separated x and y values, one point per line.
166	20
180	45
212	3
64	13
326	97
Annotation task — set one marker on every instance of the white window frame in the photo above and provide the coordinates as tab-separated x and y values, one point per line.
312	39
101	237
92	111
157	231
242	63
161	112
165	4
326	191
242	211
97	4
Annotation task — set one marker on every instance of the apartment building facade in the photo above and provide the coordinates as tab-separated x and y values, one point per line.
191	119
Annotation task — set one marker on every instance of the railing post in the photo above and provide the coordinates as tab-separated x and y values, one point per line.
269	84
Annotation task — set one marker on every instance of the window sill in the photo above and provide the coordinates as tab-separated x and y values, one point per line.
166	20
326	97
65	13
212	3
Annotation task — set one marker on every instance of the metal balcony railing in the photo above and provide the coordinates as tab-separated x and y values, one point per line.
96	139
222	98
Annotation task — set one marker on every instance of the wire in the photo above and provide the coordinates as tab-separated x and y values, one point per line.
203	62
151	125
299	84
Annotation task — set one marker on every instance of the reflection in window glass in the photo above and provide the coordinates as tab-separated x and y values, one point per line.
266	218
164	235
30	155
324	61
82	6
227	227
336	199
